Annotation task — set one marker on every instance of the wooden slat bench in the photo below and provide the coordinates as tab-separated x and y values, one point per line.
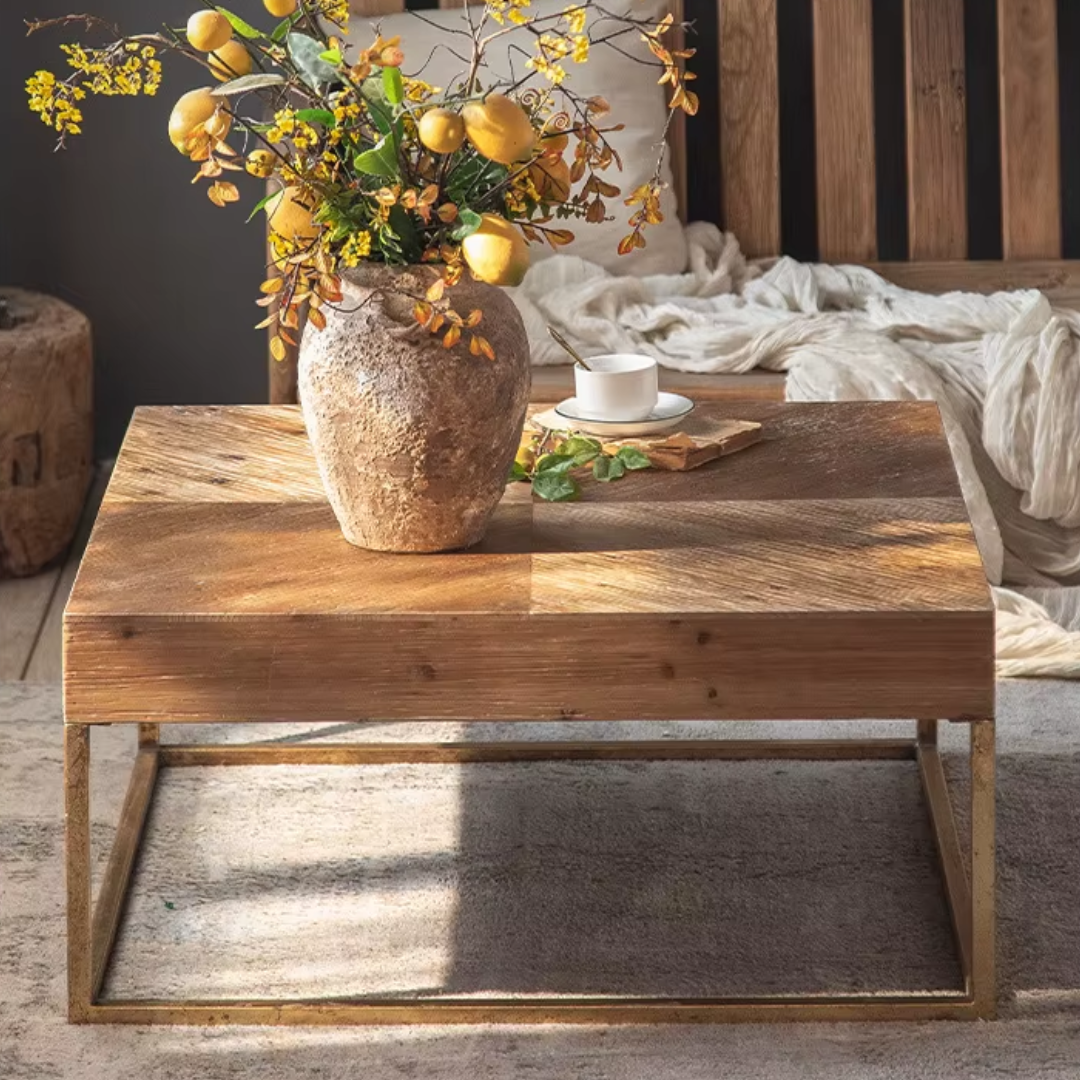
935	105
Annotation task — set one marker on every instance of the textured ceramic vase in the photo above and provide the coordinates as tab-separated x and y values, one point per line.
414	442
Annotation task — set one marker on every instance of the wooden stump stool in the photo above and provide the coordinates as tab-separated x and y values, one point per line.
46	427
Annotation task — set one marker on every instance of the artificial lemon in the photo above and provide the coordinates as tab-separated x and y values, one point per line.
260	163
230	61
499	129
290	214
280	8
192	109
442	131
551	178
496	252
208	30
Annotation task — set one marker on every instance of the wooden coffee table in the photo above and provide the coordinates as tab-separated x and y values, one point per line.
828	572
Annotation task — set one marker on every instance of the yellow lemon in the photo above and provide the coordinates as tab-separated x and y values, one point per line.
496	252
442	131
208	30
192	109
230	61
499	129
260	163
280	8
551	177
290	214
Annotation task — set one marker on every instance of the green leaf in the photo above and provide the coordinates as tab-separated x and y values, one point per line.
245	30
633	458
245	83
392	84
306	55
316	116
468	222
606	469
331	56
581	449
260	204
517	472
380	160
555	487
375	98
554	463
284	27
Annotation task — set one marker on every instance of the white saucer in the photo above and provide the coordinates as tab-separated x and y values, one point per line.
670	409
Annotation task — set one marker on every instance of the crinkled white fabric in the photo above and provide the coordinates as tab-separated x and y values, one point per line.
1004	370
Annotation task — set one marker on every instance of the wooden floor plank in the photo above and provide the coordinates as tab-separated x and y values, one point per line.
45	663
23	605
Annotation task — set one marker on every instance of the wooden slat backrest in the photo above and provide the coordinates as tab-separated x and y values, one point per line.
936	129
750	124
1030	147
844	128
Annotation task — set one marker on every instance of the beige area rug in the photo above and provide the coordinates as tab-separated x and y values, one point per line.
681	878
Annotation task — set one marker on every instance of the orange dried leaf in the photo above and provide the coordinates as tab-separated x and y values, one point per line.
485	347
316	318
447	212
474	345
436	290
272	285
626	244
422	312
277	348
287	338
451	337
474	318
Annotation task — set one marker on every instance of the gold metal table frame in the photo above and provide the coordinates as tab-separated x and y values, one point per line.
969	889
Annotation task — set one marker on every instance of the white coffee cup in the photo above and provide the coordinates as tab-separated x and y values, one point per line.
618	386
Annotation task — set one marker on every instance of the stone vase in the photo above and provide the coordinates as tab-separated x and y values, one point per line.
414	442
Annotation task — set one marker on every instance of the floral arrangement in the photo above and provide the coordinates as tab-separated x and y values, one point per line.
366	163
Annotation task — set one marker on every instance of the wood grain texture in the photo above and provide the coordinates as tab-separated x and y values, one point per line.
936	129
373	8
1058	278
837	551
45	662
750	124
1030	137
46	428
844	126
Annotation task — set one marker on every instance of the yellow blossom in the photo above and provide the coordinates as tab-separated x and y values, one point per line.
575	19
355	248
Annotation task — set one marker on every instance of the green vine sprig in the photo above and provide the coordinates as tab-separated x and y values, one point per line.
551	458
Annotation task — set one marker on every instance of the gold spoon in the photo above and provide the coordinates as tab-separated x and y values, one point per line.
563	343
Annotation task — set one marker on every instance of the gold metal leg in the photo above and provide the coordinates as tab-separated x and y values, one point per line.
77	855
91	936
983	876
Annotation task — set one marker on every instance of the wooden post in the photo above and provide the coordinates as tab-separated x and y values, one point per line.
46	427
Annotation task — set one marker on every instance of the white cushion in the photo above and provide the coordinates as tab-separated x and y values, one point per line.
628	86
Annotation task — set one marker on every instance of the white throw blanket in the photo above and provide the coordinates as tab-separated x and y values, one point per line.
1004	369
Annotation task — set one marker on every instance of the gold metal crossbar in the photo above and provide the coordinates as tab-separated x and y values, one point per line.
92	929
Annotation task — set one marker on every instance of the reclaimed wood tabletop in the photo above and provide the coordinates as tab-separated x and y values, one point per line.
829	571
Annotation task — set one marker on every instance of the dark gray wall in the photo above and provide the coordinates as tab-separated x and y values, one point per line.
114	226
